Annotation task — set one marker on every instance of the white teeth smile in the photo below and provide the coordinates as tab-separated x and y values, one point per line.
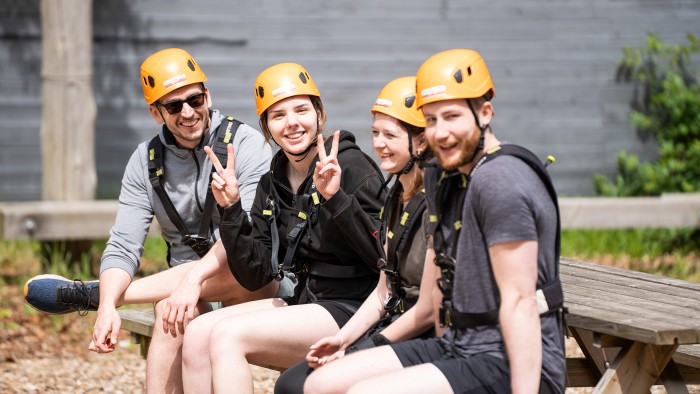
295	135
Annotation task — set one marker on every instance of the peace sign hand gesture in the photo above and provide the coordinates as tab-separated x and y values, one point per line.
224	183
327	171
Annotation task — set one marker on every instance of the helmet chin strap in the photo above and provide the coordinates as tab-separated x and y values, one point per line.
482	134
308	148
305	152
408	167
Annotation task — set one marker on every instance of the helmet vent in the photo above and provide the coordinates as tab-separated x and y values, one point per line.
409	101
190	64
261	91
458	76
303	77
151	81
469	71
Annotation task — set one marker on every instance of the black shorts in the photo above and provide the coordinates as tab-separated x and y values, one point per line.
480	373
341	310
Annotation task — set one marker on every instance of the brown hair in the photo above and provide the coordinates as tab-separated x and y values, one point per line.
417	176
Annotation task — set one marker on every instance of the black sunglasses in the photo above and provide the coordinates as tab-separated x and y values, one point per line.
174	107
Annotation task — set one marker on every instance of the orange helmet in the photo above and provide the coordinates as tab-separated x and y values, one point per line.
453	74
398	99
167	70
280	81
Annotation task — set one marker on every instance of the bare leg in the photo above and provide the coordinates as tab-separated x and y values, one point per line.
164	362
341	374
195	360
422	378
221	287
279	337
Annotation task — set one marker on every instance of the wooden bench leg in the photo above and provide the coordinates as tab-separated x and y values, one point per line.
672	379
143	341
636	368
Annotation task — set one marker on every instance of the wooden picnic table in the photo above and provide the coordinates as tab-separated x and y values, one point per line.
630	325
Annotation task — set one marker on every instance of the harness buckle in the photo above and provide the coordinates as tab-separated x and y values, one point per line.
446	316
200	245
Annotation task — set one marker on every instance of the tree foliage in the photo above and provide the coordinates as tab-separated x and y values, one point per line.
666	104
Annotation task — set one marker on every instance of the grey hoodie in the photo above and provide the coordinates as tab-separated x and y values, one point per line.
186	180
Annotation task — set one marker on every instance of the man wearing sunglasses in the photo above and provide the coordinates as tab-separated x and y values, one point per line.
167	178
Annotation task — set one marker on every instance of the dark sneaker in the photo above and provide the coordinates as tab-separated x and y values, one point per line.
57	295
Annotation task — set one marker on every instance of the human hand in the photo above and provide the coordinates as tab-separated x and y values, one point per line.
224	183
327	172
179	308
105	334
324	351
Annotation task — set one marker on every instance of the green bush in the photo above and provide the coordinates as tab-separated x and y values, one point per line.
666	105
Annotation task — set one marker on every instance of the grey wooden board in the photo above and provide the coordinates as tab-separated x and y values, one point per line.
631	305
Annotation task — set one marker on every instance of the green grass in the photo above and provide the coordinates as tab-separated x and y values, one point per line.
670	252
20	260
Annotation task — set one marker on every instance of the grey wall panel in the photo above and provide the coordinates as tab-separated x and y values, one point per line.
553	64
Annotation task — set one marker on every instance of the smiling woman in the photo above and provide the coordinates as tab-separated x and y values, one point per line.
309	223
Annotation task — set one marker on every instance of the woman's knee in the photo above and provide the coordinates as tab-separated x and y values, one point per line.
227	339
196	341
320	381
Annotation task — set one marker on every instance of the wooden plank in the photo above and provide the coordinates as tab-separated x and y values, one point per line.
630	321
669	210
67	133
60	220
682	298
643	301
688	355
567	265
139	321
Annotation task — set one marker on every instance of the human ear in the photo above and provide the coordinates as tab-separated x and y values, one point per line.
157	116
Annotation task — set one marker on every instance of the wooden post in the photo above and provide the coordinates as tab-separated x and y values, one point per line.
68	109
68	103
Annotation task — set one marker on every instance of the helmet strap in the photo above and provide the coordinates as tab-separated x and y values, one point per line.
312	145
482	130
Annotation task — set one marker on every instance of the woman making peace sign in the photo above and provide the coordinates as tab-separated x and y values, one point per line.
308	223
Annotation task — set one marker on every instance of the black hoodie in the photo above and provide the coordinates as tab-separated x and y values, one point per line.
342	233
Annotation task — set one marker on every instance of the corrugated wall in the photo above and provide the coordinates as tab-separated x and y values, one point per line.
553	64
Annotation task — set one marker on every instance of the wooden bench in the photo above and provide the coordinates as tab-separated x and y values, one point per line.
140	323
615	315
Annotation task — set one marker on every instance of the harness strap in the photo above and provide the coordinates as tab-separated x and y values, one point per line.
550	296
404	223
199	243
221	152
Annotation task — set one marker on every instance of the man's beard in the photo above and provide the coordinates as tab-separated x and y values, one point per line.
464	155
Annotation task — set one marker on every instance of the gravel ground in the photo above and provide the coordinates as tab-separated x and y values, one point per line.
121	372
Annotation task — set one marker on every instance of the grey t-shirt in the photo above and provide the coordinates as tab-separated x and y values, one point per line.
508	202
